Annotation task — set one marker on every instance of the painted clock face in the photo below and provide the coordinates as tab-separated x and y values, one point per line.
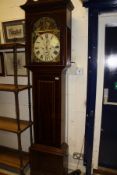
46	47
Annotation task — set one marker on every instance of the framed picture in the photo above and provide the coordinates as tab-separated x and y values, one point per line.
9	63
14	31
2	72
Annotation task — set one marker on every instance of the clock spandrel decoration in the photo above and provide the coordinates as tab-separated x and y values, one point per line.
48	55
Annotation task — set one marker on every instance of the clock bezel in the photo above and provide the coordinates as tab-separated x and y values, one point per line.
44	53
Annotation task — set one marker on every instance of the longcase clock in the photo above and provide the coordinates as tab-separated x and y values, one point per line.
48	54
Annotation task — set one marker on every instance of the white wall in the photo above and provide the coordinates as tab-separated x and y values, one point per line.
76	84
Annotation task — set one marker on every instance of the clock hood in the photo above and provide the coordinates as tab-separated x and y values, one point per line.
40	4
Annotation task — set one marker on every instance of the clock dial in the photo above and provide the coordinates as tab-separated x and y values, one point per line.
47	47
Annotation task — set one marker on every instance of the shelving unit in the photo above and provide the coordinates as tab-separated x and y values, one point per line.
13	159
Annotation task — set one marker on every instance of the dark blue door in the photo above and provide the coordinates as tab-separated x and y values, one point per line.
108	139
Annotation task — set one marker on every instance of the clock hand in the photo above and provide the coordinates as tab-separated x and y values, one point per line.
47	52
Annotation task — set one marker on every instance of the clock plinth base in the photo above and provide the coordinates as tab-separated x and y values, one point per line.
47	160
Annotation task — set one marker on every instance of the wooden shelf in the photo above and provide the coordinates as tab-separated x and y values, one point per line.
10	124
11	46
13	88
15	159
10	158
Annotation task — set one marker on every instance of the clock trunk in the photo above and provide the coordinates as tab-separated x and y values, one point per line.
49	123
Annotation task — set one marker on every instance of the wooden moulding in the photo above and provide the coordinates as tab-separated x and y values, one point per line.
50	150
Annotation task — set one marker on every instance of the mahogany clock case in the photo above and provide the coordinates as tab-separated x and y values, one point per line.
49	125
58	10
48	154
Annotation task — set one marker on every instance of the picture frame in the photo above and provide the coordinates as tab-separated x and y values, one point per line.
14	31
9	64
2	71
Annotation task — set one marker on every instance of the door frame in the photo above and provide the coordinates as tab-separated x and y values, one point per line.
95	8
104	20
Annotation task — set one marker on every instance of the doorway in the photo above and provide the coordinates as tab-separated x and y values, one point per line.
105	134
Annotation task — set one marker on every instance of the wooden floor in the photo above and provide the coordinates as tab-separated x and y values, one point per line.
3	173
99	171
